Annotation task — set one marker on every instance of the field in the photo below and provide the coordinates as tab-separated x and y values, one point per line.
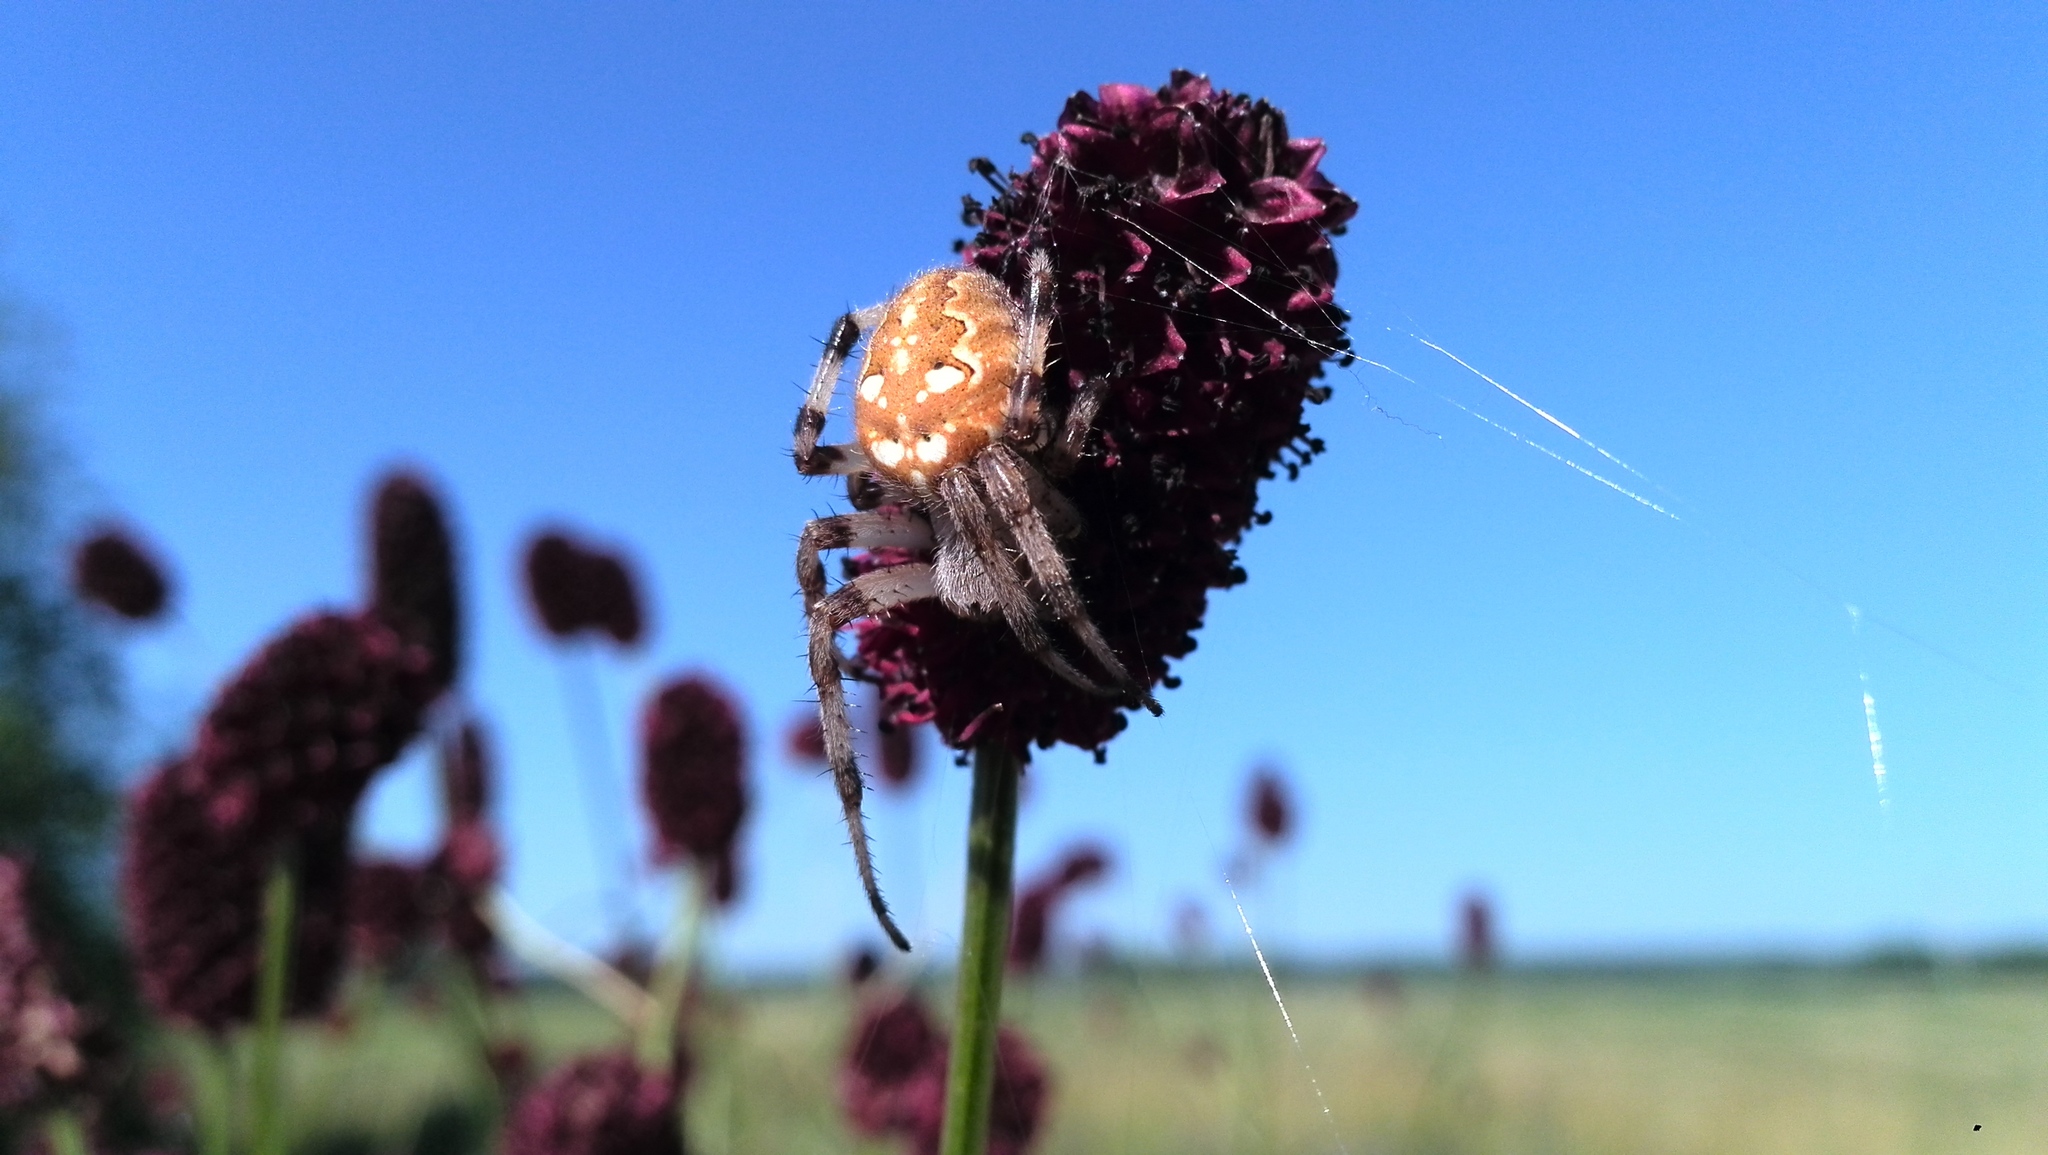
1748	1061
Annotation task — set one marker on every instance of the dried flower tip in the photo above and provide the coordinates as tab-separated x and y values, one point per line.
413	584
693	766
576	587
112	570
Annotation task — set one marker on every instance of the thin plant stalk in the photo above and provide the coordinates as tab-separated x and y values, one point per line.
65	1135
603	805
210	1065
661	1042
472	1011
658	1038
266	1067
984	949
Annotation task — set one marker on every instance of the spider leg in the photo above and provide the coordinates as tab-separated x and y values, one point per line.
1065	453
868	594
1009	485
957	489
877	530
1024	419
813	459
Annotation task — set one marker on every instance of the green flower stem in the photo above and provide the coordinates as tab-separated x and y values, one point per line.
984	949
65	1135
658	1035
266	1070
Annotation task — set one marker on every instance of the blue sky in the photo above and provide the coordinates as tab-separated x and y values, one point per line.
576	260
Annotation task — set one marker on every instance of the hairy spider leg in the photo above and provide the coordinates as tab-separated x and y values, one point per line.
1007	478
864	596
880	529
812	459
958	490
1064	454
1023	419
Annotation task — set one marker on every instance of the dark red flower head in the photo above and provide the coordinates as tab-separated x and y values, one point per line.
1017	1105
693	770
603	1104
895	1046
1037	902
412	570
114	571
893	1080
1190	238
282	758
1270	811
39	1027
577	587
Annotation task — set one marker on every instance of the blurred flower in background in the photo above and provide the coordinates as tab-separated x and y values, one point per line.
1478	946
602	1104
693	755
282	758
892	1080
398	908
39	1027
1031	931
579	588
892	747
1270	811
113	570
413	580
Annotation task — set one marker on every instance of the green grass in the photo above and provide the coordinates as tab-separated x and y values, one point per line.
1689	1063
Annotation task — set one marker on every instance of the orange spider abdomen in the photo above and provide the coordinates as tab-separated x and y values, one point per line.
936	380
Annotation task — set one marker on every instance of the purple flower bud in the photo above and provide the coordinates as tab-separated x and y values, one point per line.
412	571
693	770
1270	811
601	1104
39	1027
893	1078
282	758
1194	274
114	571
1038	901
576	587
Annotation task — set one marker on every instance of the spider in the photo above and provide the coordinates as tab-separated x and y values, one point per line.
955	455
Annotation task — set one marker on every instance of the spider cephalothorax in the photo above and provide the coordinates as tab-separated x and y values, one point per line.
952	438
